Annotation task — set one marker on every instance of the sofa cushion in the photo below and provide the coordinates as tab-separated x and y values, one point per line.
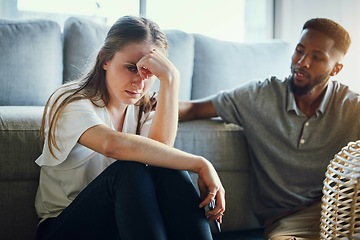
30	61
82	41
19	174
221	65
19	142
181	54
224	145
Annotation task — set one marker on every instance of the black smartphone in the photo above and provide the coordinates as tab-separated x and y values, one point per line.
217	224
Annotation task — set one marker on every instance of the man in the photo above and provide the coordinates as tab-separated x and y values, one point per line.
294	128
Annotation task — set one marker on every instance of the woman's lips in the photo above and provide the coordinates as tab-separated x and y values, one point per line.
132	93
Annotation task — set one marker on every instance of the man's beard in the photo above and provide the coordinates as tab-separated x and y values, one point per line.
305	90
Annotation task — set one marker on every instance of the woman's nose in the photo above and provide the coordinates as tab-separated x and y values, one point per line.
138	83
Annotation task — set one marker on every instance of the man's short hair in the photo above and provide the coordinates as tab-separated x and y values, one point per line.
333	30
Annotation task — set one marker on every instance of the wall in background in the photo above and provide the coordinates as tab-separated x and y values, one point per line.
290	15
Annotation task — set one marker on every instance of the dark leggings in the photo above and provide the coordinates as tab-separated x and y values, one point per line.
129	200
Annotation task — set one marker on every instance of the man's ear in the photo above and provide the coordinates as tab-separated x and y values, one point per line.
336	69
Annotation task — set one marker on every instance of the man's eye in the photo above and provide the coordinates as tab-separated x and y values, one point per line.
132	69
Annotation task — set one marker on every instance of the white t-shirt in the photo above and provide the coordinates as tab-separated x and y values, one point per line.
75	166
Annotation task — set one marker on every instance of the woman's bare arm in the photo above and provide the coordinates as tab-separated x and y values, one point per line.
117	145
131	147
164	124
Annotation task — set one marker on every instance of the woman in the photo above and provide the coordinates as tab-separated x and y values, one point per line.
108	168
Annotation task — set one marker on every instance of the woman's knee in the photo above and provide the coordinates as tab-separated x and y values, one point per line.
169	174
122	167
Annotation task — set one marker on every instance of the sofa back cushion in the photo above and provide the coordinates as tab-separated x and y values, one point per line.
181	54
221	65
30	61
84	38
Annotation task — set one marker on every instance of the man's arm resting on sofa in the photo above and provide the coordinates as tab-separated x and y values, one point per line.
196	109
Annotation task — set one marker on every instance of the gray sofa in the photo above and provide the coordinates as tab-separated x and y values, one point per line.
37	56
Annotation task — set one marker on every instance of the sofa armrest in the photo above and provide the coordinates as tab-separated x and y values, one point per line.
225	146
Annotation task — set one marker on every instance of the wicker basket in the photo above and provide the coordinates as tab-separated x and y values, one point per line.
340	214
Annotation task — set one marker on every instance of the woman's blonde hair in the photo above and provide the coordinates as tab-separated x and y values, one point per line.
125	30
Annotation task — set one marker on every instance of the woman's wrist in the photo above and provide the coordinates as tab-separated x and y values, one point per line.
202	165
171	79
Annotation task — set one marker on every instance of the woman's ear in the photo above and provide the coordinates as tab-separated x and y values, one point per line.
104	66
101	58
336	69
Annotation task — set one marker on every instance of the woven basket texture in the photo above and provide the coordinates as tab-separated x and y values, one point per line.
340	209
